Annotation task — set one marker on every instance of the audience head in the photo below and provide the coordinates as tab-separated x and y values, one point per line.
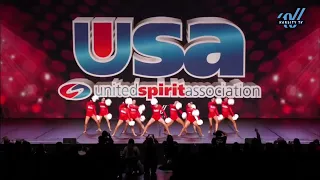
213	141
101	140
6	140
219	133
131	142
236	147
105	134
169	139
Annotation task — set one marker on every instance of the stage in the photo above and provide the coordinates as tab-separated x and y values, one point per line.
50	131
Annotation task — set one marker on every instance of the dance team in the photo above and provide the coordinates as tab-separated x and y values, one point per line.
130	113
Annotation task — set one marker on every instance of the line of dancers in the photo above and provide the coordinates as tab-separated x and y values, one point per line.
130	113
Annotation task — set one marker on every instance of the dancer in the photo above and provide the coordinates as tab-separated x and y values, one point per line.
184	115
124	116
174	117
104	111
214	114
91	113
157	111
192	118
135	115
227	112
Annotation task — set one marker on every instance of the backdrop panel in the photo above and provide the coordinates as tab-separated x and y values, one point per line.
37	54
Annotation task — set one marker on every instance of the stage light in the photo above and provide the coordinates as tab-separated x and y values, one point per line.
275	78
12	56
312	80
282	101
3	40
23	94
10	79
300	95
1	62
310	58
47	76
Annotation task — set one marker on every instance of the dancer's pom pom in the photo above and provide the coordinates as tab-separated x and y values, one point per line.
132	123
218	100
109	116
142	108
195	112
178	105
142	118
154	101
168	120
199	122
94	98
235	117
128	101
108	102
184	115
231	101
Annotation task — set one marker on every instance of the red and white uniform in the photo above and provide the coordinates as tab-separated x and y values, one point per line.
226	110
103	109
190	117
213	111
134	111
124	113
90	109
157	111
174	112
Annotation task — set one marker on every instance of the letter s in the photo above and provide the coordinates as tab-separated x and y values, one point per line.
158	53
107	55
215	46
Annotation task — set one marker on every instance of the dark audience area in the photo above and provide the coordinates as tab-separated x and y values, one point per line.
105	160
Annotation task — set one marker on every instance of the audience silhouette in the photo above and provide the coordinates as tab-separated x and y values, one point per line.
105	160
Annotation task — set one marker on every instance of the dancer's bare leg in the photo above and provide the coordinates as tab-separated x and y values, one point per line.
186	125
117	127
125	129
108	122
151	121
86	121
97	122
141	126
217	123
182	123
199	130
210	127
169	124
234	123
165	125
132	130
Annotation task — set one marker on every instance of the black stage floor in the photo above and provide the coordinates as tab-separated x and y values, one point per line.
52	131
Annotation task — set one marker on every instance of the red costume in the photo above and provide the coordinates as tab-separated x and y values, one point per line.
91	109
213	111
190	117
103	109
124	112
174	112
134	111
226	110
157	111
